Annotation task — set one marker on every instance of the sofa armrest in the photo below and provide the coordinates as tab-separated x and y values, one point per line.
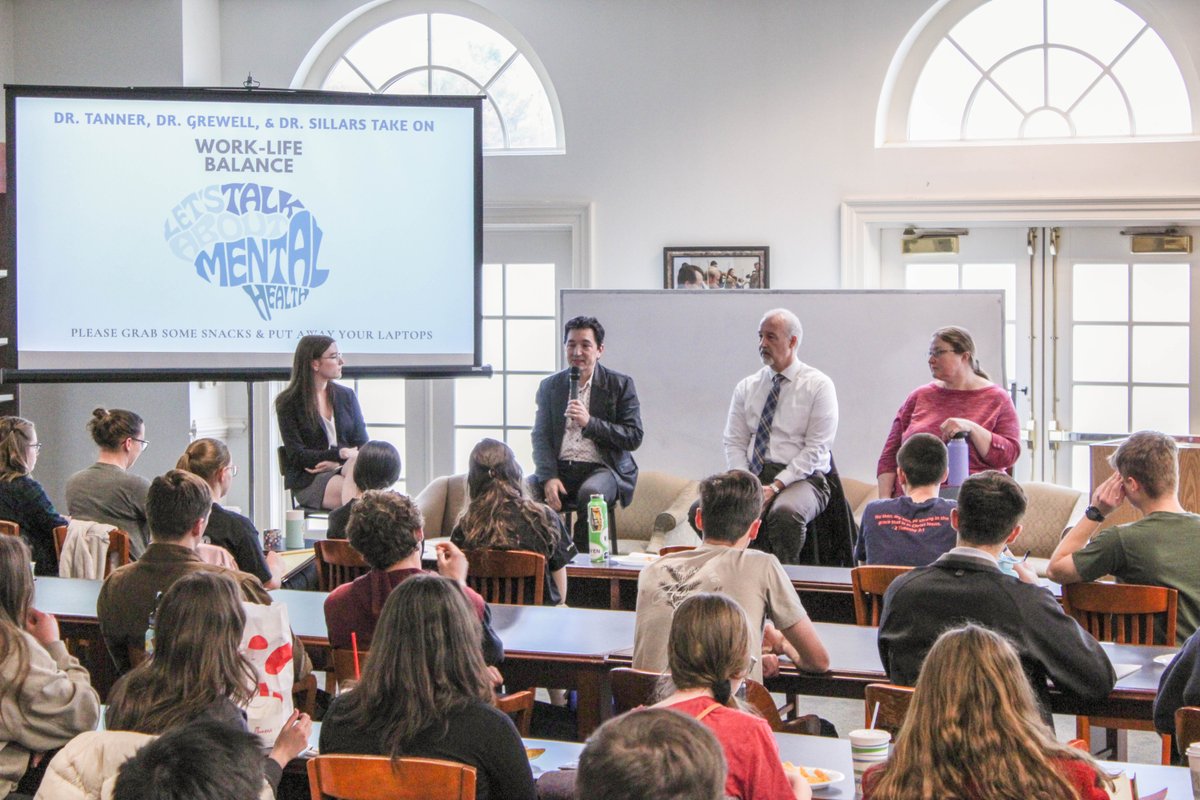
677	513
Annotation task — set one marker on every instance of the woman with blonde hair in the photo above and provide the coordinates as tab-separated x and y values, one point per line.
710	655
46	697
960	400
973	730
209	460
500	515
22	499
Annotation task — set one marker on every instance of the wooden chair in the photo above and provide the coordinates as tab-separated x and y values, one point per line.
118	547
337	563
382	778
1187	727
1123	613
60	538
519	706
304	694
632	688
343	666
9	528
675	548
893	706
868	585
758	698
516	577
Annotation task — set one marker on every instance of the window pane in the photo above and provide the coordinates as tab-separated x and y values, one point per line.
465	440
940	96
1010	352
1081	469
1022	77
994	276
1109	27
382	401
466	45
532	345
992	116
1100	409
1046	124
493	131
522	398
999	27
1160	409
1161	292
479	401
396	437
343	79
1160	354
445	82
493	343
392	48
530	290
525	107
1100	353
1100	292
413	83
1102	112
493	290
1070	76
931	276
1156	87
522	446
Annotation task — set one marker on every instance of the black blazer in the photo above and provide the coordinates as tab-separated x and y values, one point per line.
615	427
956	589
305	443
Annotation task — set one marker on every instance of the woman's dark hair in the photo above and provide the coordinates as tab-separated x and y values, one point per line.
499	504
16	596
110	427
709	645
204	458
198	629
426	665
377	465
960	341
16	434
302	386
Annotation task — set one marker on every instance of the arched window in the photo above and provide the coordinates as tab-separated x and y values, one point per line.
406	47
1005	70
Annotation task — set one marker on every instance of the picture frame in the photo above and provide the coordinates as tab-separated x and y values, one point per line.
717	267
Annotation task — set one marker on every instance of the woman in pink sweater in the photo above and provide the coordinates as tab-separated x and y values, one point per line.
960	398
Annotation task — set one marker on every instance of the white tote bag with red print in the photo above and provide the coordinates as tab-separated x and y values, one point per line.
267	645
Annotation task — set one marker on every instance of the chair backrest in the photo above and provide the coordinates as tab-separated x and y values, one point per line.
516	577
519	706
60	538
1050	510
118	549
1122	612
9	528
893	705
304	694
675	548
869	583
441	502
383	778
343	664
758	698
337	563
632	688
1187	727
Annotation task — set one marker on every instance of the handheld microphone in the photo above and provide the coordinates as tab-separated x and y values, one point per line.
573	375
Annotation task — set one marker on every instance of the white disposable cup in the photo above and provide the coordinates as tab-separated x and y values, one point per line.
868	747
1193	756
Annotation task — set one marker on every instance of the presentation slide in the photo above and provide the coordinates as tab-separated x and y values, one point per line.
160	230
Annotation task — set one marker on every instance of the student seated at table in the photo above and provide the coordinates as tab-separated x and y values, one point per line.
200	761
377	467
178	505
426	692
973	730
196	671
651	754
500	515
728	517
709	654
107	491
209	460
386	528
966	585
1178	687
914	529
1159	549
46	697
22	499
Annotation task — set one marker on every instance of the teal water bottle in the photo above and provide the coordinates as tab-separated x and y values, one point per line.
597	528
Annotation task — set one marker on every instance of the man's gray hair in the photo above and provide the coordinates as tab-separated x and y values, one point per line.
794	327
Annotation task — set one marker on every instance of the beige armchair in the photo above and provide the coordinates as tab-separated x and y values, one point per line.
656	518
858	494
1051	510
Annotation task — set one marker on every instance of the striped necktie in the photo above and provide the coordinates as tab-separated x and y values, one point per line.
762	436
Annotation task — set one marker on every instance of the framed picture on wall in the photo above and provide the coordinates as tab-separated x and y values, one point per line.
716	267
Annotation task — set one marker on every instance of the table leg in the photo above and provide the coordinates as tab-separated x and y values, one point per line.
594	700
614	594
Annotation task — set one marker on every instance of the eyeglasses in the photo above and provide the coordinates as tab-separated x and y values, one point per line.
36	446
334	357
142	442
233	470
941	351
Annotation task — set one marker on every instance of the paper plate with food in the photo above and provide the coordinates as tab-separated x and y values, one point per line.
634	559
817	778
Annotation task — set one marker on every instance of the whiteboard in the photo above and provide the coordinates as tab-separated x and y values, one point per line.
686	350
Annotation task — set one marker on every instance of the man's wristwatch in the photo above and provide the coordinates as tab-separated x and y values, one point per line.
1093	513
776	486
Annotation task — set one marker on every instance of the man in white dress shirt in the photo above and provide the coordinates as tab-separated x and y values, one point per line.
781	425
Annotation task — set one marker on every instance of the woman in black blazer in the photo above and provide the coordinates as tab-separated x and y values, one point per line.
321	425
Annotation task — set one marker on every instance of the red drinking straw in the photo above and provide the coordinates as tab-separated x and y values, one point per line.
354	645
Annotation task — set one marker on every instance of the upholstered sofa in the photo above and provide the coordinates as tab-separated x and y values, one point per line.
1051	510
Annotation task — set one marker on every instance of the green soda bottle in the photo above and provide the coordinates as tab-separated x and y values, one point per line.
597	528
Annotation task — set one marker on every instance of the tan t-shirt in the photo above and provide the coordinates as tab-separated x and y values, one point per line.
753	578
